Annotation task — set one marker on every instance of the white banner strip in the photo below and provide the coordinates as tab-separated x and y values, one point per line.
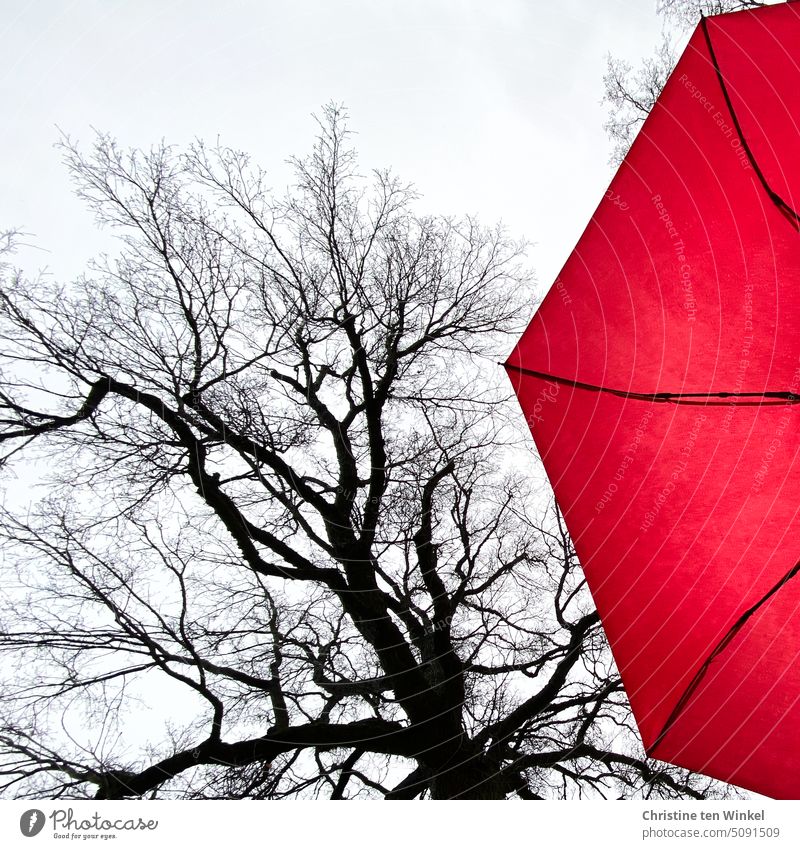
351	825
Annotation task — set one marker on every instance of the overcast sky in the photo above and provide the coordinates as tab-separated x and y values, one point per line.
489	108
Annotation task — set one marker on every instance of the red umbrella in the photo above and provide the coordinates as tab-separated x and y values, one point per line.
659	379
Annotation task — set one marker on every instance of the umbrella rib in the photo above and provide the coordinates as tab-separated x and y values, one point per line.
709	399
791	216
719	648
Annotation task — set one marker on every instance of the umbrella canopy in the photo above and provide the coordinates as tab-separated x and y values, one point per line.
659	379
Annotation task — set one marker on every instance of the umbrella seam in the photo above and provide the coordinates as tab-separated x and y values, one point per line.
718	649
791	216
732	399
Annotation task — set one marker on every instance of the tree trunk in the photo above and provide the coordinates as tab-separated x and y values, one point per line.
469	778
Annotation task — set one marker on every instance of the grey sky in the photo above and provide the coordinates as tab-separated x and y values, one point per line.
489	106
492	108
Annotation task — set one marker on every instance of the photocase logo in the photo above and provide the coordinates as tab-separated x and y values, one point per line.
31	822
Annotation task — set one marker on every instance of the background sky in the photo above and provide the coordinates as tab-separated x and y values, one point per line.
488	108
491	108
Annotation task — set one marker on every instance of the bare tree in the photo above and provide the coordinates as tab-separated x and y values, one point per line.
687	13
631	93
283	493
